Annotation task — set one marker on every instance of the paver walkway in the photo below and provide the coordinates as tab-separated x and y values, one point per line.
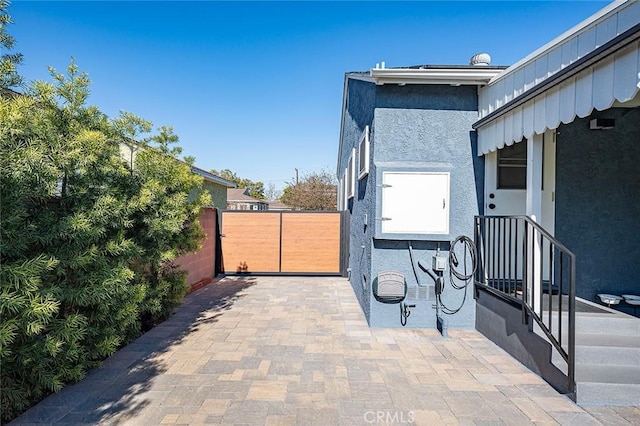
277	351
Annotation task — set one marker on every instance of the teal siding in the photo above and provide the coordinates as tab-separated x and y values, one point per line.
218	194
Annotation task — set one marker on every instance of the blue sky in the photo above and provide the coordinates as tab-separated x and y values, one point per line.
256	87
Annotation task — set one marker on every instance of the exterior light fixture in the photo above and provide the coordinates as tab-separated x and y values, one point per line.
602	123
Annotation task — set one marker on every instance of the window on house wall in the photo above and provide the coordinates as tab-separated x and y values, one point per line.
351	175
340	201
512	166
363	154
345	200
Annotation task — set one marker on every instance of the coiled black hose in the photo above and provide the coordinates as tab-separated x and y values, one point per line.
460	280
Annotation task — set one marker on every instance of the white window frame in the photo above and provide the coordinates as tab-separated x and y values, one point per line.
351	175
363	152
345	181
341	204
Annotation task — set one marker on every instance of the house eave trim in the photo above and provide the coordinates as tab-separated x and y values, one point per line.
342	118
615	44
212	178
453	76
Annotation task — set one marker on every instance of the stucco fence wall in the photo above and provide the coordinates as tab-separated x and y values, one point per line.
201	265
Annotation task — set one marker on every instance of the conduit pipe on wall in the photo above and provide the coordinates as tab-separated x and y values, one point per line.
415	271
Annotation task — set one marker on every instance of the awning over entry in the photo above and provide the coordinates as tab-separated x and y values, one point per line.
590	67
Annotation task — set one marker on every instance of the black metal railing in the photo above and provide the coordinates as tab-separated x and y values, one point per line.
522	263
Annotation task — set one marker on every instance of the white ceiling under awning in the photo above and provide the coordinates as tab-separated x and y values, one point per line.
614	77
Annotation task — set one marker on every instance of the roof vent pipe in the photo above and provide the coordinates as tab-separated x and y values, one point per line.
480	60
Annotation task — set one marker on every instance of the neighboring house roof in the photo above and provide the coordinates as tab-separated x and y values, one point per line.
278	205
134	146
213	178
591	66
239	195
8	93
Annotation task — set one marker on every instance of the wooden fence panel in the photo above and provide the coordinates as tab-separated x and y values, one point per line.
310	242
251	242
281	242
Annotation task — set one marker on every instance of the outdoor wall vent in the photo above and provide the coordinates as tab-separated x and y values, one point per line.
480	60
602	123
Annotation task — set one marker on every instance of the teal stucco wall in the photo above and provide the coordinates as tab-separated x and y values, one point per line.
413	128
598	202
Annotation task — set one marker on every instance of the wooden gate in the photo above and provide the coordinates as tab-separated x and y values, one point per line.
281	242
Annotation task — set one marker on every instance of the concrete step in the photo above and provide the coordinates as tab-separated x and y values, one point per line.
587	373
607	364
608	356
612	340
607	324
595	338
607	385
604	355
596	393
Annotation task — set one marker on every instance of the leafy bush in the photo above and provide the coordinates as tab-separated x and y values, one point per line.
87	239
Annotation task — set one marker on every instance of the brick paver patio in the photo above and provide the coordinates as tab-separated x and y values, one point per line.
291	350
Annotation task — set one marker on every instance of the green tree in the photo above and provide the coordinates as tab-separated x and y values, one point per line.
256	189
87	241
315	191
9	62
167	223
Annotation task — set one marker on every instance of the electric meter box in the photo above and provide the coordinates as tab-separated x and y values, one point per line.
438	263
414	205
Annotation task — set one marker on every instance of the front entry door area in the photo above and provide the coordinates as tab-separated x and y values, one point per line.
506	177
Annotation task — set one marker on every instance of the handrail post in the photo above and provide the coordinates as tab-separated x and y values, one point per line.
476	243
572	329
525	271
